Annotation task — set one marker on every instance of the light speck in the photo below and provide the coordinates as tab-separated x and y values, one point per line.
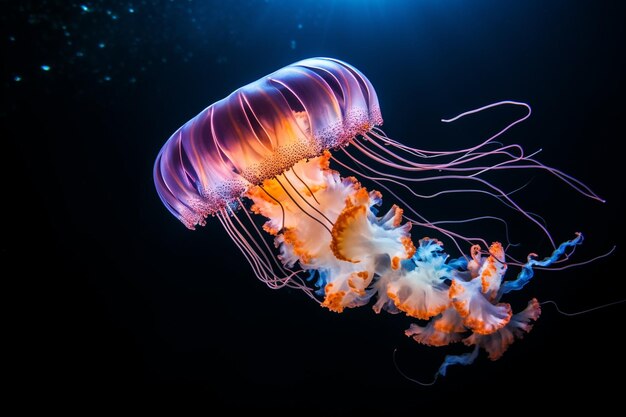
132	80
80	54
45	67
107	78
17	78
292	44
131	10
85	8
101	45
12	38
300	26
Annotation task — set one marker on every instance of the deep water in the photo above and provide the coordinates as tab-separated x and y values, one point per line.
113	299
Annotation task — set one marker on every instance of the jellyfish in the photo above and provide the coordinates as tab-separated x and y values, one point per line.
295	165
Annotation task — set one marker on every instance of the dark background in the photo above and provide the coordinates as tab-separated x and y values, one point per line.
108	298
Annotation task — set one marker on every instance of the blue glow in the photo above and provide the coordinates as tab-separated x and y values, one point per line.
113	15
85	8
17	78
45	67
102	45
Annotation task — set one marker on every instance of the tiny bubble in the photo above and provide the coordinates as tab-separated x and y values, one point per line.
292	44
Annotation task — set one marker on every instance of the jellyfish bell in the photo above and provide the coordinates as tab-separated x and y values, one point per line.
260	161
261	130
